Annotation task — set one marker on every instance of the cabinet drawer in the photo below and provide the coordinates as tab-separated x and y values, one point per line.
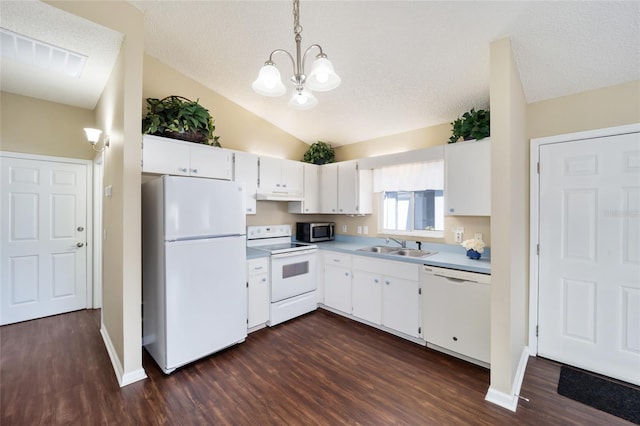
258	266
337	259
404	270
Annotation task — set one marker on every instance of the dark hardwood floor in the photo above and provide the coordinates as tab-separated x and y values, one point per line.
317	369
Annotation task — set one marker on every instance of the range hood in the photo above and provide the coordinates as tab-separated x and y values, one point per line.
278	196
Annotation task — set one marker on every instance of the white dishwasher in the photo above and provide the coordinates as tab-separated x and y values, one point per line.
456	313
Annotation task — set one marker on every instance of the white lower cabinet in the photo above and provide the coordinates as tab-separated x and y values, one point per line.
457	312
401	305
387	293
337	281
367	296
258	292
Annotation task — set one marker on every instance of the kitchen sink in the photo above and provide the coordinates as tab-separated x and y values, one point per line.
378	249
395	251
412	252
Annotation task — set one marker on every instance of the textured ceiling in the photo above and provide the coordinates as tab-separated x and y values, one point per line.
51	25
404	64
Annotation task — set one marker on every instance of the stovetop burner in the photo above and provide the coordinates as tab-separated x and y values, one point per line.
274	239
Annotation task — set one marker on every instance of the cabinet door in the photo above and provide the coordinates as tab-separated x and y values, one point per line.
245	172
329	188
258	292
210	162
270	174
457	316
337	288
347	188
468	178
165	156
401	306
311	196
292	176
367	296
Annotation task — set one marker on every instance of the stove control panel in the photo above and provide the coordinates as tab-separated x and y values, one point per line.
268	231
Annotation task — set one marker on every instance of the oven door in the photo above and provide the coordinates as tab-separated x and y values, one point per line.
293	273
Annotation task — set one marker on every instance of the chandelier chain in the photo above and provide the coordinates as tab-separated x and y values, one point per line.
297	28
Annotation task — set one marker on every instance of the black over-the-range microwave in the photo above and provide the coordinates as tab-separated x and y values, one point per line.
313	232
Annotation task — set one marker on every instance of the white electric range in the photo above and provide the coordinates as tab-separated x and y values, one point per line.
293	269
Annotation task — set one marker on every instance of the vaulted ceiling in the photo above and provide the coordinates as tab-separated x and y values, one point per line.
404	64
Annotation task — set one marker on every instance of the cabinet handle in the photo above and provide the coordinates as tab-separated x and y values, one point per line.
387	282
257	268
376	281
277	185
194	170
336	260
284	185
455	339
183	170
451	210
264	280
346	274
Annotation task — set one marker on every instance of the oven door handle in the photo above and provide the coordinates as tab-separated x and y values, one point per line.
294	253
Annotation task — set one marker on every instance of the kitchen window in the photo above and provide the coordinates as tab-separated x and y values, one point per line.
411	199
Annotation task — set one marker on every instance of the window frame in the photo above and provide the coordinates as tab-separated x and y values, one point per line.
413	232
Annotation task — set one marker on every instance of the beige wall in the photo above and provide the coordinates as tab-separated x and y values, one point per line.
401	142
119	114
34	126
596	109
509	217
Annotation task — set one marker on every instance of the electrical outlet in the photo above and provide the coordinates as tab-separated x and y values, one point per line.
359	229
478	236
344	228
365	229
458	233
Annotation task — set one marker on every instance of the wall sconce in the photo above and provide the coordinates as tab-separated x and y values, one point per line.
93	137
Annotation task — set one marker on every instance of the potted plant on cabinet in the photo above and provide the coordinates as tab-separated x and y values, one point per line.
472	125
319	153
177	117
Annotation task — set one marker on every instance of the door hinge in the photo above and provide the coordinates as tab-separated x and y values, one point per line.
419	330
538	167
538	249
247	284
419	291
537	330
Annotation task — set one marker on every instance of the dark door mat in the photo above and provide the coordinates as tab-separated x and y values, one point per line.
606	395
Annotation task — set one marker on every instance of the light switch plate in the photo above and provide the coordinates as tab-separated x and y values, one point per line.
344	228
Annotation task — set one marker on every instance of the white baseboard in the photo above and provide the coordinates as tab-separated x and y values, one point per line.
123	379
510	401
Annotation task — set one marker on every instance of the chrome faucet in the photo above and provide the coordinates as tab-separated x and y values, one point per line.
402	243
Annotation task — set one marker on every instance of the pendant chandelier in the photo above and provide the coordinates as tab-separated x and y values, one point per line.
321	78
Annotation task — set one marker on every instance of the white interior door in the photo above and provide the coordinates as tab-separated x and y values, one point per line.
44	238
589	263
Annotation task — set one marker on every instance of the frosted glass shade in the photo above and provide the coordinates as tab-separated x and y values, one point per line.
93	135
303	100
322	76
269	82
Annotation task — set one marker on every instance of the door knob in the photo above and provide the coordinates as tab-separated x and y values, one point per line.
80	245
80	229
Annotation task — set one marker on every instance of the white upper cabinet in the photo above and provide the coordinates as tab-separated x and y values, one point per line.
245	172
355	188
329	188
468	178
311	189
345	189
173	157
279	178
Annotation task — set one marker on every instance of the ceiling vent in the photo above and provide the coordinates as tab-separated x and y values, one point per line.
29	51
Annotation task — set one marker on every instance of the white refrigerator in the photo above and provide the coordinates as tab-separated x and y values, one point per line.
194	294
